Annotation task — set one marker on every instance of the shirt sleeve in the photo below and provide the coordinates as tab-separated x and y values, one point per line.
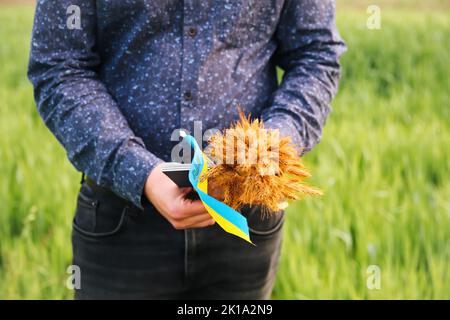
309	48
76	105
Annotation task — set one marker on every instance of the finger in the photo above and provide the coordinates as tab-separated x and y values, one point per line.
195	219
191	208
184	191
191	221
203	224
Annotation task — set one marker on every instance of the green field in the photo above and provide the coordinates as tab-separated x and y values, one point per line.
384	164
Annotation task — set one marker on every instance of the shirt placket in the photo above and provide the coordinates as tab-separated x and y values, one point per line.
188	101
189	73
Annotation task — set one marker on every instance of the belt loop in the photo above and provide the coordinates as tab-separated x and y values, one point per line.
83	178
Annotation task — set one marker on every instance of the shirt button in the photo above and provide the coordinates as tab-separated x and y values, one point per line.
187	95
192	31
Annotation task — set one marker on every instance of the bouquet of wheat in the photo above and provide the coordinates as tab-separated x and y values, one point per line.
256	166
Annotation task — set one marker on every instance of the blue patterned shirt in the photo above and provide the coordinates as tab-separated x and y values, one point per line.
114	78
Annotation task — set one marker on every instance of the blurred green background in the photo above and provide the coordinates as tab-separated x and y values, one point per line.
384	163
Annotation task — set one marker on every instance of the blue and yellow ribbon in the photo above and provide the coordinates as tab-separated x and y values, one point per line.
230	220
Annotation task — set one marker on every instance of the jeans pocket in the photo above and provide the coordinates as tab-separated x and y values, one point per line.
262	223
96	217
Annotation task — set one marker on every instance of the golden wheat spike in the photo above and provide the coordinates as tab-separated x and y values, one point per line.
246	183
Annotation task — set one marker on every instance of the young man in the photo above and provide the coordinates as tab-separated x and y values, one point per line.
114	79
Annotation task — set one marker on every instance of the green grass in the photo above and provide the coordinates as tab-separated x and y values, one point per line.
384	164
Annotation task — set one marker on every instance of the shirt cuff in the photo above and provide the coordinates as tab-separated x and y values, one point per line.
132	171
287	129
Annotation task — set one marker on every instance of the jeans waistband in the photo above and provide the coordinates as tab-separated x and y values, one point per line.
97	188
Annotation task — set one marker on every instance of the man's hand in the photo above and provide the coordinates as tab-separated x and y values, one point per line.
171	202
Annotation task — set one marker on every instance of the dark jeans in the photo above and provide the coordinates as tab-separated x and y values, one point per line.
126	253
